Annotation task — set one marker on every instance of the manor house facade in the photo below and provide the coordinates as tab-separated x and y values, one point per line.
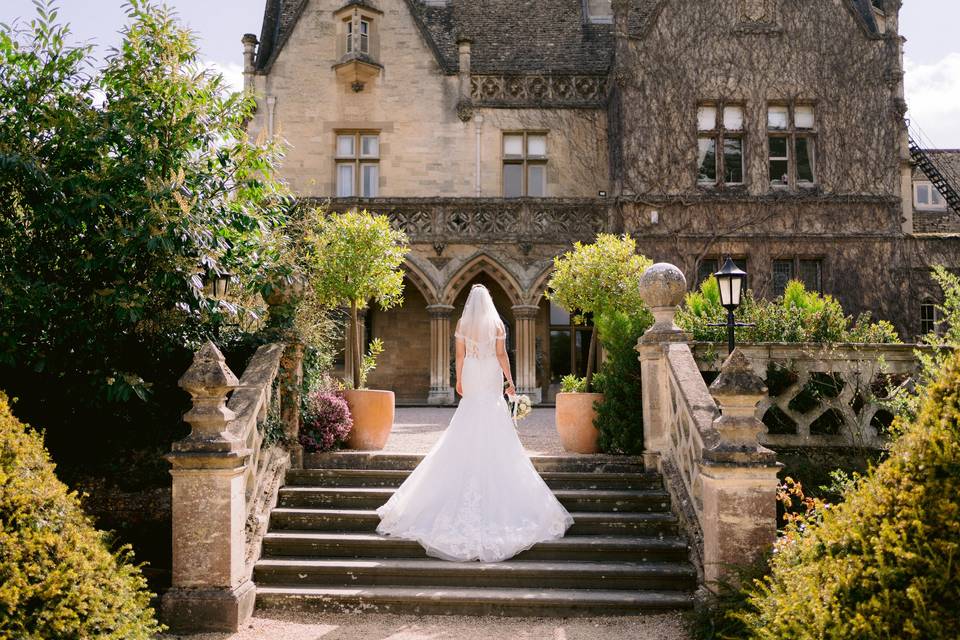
498	132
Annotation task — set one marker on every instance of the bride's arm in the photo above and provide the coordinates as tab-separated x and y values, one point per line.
461	349
505	364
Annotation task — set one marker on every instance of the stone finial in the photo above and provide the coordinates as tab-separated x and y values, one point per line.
209	381
738	391
663	287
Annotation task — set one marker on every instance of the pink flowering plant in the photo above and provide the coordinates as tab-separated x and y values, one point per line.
326	421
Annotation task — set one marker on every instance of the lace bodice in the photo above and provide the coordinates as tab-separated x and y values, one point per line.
475	349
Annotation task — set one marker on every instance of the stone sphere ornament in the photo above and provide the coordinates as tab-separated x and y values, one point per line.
663	287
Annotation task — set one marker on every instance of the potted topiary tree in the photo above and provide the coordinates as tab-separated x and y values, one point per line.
356	258
591	280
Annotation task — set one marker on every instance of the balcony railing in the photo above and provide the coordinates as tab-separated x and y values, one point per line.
490	220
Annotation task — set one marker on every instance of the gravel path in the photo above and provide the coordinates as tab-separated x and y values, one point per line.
377	626
416	429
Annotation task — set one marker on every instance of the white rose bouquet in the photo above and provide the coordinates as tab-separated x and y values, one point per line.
521	408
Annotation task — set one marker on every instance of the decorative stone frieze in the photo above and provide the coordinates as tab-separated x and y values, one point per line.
538	90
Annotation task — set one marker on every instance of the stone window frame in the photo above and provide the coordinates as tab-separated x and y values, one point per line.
932	194
719	134
792	134
797	264
526	160
358	160
716	261
351	19
929	317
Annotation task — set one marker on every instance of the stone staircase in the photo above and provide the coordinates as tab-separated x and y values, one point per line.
623	556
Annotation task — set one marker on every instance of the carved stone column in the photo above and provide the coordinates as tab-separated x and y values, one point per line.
211	589
662	287
525	343
441	393
738	476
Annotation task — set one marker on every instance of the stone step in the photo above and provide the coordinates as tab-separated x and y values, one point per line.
572	499
366	520
317	544
395	477
510	574
471	601
408	461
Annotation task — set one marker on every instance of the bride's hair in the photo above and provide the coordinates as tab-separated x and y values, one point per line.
480	322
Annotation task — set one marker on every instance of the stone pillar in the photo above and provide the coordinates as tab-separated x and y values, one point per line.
662	287
465	101
738	476
441	393
525	334
211	589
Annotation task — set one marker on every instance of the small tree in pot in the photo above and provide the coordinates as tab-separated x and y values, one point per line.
593	279
356	258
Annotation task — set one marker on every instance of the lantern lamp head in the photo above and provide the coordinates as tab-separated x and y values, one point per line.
731	280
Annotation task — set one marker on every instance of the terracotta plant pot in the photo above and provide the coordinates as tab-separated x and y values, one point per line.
575	416
372	413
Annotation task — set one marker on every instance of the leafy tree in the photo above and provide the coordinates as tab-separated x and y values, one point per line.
796	316
356	258
112	213
58	577
596	279
881	564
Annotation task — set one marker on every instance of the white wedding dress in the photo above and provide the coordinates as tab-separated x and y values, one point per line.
476	495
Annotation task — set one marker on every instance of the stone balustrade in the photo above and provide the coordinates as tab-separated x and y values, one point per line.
822	395
704	441
225	482
490	220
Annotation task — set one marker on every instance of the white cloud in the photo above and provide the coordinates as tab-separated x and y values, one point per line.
933	95
232	73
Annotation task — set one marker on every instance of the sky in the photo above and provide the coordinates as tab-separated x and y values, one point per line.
932	49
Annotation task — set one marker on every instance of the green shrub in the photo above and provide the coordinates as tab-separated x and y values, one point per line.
883	563
58	578
796	316
571	383
620	416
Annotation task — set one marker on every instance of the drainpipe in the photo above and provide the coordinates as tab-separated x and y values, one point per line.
478	125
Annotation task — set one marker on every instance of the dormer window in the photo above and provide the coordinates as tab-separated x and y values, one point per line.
358	47
599	11
357	44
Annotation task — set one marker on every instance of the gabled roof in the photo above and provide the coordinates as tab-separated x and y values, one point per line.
508	36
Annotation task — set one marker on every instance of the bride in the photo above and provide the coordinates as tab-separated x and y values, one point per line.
476	495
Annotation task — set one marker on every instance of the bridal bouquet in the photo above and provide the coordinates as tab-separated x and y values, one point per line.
521	408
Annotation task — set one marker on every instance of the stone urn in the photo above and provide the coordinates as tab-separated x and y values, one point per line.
575	417
372	413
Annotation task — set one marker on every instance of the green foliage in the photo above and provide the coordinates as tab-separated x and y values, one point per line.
369	361
58	577
356	257
796	316
571	383
596	279
112	214
881	564
620	415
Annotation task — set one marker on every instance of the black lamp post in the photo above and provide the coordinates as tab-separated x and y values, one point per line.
731	279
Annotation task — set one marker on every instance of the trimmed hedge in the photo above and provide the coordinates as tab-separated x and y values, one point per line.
58	577
885	562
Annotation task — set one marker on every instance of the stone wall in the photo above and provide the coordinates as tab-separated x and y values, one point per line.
425	149
754	53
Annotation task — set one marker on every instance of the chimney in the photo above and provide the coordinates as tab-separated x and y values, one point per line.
465	104
249	50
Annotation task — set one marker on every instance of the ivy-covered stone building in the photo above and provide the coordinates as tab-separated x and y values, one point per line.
498	132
